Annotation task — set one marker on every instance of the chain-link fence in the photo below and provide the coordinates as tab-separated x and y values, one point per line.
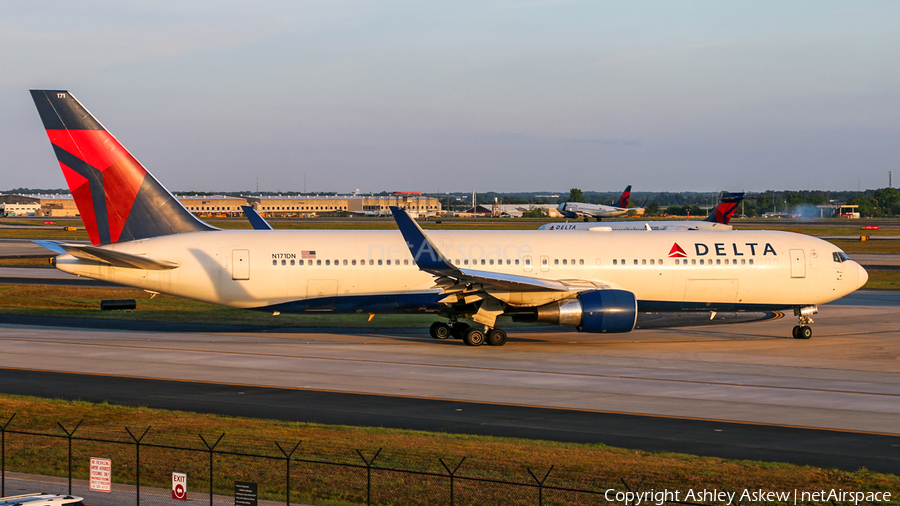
142	464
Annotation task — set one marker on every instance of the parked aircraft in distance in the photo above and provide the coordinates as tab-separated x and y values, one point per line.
599	211
141	236
719	219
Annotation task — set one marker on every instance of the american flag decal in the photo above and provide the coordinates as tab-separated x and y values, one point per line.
307	254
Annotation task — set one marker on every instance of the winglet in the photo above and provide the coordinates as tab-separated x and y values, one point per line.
256	220
424	253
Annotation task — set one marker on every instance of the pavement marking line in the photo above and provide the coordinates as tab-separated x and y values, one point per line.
486	403
450	366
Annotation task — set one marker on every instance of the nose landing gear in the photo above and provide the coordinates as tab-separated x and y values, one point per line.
804	315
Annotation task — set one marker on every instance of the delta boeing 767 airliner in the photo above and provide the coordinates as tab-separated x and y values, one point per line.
141	236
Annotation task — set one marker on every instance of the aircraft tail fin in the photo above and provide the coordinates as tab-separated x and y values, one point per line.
623	200
118	199
723	212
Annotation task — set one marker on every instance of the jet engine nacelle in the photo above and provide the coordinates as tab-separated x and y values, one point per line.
594	311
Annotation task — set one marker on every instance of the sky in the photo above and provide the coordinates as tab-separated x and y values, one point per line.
481	95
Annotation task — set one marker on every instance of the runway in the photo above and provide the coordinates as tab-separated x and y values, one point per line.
739	391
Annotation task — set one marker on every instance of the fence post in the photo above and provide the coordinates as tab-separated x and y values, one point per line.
368	474
69	435
628	487
540	485
287	459
451	473
3	455
137	460
211	448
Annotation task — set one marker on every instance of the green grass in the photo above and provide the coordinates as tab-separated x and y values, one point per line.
886	247
84	302
585	466
883	280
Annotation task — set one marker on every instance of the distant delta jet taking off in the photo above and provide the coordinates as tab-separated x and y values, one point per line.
588	211
717	220
142	236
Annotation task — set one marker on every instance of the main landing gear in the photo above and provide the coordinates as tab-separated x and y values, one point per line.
804	315
472	336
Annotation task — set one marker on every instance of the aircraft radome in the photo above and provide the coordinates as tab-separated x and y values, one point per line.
141	236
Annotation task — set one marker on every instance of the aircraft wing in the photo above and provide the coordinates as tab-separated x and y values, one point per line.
429	259
116	258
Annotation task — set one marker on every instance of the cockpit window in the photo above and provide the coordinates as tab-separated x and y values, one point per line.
840	256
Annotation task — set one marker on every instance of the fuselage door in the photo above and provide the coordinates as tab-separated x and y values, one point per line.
545	263
240	264
798	263
527	263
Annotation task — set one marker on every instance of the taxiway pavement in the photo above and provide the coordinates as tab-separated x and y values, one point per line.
744	391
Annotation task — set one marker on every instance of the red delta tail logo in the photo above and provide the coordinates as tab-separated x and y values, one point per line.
724	211
117	198
676	251
103	177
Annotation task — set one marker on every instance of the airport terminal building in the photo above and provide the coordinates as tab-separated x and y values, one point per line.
419	205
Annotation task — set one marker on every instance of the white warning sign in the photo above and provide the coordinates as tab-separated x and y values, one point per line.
101	475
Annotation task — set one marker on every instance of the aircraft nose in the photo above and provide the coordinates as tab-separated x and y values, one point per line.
863	276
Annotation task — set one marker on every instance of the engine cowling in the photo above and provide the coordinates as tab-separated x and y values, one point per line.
593	311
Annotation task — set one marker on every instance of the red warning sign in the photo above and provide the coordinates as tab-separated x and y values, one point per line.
179	486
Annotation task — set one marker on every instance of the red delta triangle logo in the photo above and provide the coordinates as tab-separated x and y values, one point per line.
676	251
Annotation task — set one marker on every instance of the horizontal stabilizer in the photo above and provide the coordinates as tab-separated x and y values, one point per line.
53	246
117	258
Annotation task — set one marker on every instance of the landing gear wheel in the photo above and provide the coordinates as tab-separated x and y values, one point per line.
496	337
458	330
796	332
474	337
805	332
439	330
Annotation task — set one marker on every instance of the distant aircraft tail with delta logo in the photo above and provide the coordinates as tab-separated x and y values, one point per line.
724	211
623	200
118	199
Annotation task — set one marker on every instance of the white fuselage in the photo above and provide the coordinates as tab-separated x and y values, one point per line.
256	269
591	210
636	225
